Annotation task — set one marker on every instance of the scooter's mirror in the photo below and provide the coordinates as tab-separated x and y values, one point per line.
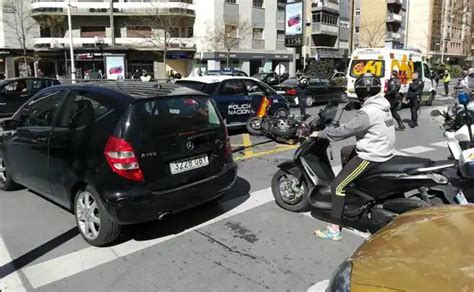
436	113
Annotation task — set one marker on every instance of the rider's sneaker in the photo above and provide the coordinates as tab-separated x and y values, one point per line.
328	234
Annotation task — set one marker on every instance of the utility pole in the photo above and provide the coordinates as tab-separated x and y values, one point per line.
71	44
445	28
112	25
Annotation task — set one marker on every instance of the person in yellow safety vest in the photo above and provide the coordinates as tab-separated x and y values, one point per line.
446	80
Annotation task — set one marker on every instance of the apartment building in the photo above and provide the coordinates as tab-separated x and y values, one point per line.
327	33
148	34
379	23
444	32
258	26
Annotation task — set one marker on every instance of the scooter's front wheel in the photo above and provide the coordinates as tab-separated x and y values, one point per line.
290	193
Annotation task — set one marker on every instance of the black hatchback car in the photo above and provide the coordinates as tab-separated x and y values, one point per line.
118	153
15	92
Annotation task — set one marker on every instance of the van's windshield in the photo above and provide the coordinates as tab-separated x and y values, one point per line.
360	67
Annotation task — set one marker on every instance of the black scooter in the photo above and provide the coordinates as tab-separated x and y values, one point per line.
396	186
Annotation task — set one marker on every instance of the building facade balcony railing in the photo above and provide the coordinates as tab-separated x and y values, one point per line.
60	43
332	6
394	17
328	52
98	7
398	2
322	28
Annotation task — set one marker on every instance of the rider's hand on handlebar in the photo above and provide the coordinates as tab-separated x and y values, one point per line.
314	134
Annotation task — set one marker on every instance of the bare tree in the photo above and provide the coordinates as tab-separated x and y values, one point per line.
162	26
228	36
21	24
372	32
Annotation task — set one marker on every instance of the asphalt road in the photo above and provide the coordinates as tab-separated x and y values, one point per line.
244	243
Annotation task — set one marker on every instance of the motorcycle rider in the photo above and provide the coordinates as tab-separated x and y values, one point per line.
415	90
374	129
301	92
393	89
468	82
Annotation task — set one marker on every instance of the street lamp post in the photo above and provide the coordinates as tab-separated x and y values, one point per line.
71	44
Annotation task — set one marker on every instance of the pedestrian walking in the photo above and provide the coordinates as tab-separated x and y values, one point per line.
393	96
446	80
415	90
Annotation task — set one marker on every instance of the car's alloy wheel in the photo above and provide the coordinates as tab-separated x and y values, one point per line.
309	101
87	214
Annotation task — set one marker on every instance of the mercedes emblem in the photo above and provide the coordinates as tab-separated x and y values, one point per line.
190	145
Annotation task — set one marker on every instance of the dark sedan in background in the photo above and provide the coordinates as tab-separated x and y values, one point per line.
320	90
16	91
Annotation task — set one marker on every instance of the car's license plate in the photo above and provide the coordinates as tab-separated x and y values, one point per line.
189	164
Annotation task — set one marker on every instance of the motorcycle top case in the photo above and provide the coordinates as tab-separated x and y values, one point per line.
466	163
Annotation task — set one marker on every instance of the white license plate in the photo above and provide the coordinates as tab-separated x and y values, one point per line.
281	92
189	164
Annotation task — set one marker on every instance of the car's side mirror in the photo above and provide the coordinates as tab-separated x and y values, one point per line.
10	125
436	113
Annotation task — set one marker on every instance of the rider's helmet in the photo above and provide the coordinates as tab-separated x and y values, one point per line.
303	82
367	85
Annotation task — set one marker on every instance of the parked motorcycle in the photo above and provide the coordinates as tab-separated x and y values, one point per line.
263	121
461	145
396	186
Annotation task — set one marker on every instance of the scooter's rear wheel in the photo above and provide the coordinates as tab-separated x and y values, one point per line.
290	194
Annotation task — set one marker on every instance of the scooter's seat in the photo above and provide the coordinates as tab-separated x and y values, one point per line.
400	164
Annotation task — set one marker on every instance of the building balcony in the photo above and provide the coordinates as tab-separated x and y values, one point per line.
322	28
328	5
394	17
393	35
328	52
101	7
135	43
395	2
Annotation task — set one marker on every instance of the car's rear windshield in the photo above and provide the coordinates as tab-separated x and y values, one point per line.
172	115
290	82
360	67
208	88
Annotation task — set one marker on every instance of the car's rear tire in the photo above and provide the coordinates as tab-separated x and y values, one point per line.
308	101
6	181
93	221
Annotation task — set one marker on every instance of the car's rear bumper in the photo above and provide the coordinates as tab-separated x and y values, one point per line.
141	205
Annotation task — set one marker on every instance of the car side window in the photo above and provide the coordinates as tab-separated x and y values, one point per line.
41	111
19	86
233	87
253	88
315	82
325	82
38	84
82	109
426	71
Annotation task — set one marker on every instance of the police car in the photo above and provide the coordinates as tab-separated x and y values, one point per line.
238	98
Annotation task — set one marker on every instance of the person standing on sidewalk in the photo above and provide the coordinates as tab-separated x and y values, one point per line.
415	90
446	80
393	96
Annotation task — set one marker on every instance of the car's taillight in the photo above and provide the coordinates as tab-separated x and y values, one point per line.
291	91
228	146
122	160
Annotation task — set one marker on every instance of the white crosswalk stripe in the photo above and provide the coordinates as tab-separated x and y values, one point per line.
442	144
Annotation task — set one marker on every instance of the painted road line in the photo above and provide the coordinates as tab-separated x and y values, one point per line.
321	286
417	149
12	282
76	262
248	152
442	144
268	152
